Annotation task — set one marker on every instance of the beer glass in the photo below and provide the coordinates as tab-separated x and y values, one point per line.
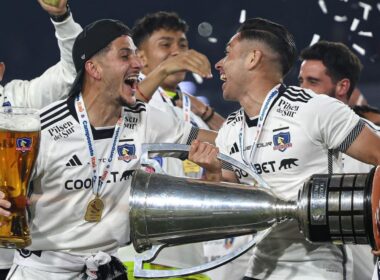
19	144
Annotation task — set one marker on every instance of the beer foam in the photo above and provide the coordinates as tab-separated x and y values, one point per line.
19	123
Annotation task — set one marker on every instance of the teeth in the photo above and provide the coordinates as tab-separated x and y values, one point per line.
223	77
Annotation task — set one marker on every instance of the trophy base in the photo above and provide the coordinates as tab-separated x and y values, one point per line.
14	242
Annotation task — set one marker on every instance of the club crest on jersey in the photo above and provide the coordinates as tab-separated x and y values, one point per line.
23	144
126	152
281	141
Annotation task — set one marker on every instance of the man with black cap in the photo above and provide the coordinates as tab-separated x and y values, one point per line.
285	134
90	145
52	85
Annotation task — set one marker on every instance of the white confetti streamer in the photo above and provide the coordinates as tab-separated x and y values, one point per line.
359	49
322	5
344	0
354	24
315	39
197	78
243	14
378	6
340	18
213	40
366	33
367	8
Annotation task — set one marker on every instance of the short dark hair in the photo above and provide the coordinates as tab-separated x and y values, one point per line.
275	35
150	23
338	59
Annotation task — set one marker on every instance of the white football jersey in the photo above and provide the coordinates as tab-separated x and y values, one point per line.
62	181
302	135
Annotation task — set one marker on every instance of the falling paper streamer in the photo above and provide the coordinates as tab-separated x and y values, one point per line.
243	14
315	39
365	33
213	40
367	8
340	18
354	24
359	49
197	78
344	0
378	6
322	5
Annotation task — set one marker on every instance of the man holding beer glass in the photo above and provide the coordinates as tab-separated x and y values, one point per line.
52	85
90	146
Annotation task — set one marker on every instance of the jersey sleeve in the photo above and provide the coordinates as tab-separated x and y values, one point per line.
55	82
331	122
162	127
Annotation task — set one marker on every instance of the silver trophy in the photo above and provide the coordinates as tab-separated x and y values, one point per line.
169	211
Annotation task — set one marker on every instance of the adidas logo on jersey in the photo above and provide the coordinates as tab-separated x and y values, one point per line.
74	161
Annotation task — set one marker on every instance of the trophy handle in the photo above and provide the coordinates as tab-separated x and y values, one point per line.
150	255
161	148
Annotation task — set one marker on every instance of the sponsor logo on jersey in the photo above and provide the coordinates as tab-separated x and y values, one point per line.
114	177
234	149
281	141
287	109
288	163
62	130
269	167
126	152
23	144
130	122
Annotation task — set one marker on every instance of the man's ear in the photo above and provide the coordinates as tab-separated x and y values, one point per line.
2	70
253	58
93	69
342	88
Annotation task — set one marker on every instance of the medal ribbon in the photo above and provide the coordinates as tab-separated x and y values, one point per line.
264	111
97	181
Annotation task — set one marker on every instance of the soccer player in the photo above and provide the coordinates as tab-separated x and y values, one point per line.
90	146
285	134
332	68
52	85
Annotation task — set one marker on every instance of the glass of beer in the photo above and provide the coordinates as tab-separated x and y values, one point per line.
19	144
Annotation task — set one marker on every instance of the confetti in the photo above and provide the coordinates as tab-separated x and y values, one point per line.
359	49
378	6
242	16
322	5
340	18
205	29
197	78
315	39
213	40
354	24
344	0
367	8
366	33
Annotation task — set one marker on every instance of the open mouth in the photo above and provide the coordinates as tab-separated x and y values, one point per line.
131	81
223	77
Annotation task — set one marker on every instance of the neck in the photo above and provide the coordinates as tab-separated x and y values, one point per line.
100	112
254	99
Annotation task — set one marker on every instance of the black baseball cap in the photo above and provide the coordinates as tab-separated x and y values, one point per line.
93	38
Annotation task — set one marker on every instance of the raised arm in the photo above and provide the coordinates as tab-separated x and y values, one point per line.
56	81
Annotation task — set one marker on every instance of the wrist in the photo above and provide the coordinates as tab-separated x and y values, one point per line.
208	114
61	17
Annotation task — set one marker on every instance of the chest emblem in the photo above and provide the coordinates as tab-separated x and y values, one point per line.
126	152
282	141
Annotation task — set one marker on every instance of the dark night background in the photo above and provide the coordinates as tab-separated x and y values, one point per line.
28	45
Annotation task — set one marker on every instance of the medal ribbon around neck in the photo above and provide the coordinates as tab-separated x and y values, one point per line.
186	107
264	111
98	181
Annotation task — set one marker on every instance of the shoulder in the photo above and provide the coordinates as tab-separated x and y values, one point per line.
54	113
297	94
233	118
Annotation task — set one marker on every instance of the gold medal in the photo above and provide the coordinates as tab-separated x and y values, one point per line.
94	210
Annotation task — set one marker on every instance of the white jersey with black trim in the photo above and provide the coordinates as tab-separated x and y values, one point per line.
302	135
62	180
52	85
